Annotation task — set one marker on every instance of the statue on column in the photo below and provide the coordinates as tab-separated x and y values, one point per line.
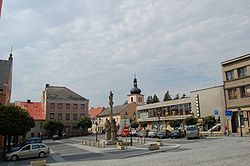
113	130
107	130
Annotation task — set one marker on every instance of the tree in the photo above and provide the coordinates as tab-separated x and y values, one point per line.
167	96
14	121
155	99
191	121
183	96
144	124
149	100
134	124
84	123
177	97
174	123
53	127
210	121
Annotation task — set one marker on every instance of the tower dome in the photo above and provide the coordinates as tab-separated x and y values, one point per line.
135	89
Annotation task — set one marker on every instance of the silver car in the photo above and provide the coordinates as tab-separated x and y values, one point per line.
29	150
192	131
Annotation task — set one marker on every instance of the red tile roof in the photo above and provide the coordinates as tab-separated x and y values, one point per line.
94	112
35	109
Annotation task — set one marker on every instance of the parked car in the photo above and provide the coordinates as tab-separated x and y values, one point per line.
217	127
164	134
152	134
142	133
32	140
55	137
25	142
177	134
192	131
29	150
134	133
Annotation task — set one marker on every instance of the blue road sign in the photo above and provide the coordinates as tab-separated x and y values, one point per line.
229	113
216	112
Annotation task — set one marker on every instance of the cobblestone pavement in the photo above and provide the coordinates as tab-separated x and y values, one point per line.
208	152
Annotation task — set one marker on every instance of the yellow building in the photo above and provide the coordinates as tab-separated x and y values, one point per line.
236	78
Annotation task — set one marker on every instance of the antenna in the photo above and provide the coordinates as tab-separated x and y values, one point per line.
11	49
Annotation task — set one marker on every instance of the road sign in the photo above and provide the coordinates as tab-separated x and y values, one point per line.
216	114
228	113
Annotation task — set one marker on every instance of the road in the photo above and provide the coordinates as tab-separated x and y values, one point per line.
207	151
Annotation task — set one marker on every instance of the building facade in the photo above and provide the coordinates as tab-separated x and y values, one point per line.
158	115
62	104
37	112
118	114
6	80
93	114
210	102
236	79
5	83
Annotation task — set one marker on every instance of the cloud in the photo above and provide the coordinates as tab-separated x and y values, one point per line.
93	46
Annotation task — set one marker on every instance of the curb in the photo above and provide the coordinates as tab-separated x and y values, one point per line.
149	152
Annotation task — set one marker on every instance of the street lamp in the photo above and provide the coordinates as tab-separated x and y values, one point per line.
240	114
159	118
96	125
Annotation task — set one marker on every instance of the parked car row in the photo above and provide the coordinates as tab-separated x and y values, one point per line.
31	147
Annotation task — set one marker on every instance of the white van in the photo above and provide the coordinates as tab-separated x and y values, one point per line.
192	131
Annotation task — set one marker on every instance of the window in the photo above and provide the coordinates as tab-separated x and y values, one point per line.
82	115
242	72
245	91
60	106
232	93
132	99
35	146
43	146
140	99
26	148
230	75
67	106
51	115
67	116
59	116
75	116
75	106
52	105
82	106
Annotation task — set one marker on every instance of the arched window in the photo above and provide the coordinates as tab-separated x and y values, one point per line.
132	99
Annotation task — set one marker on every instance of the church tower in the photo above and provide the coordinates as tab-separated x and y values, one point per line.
135	95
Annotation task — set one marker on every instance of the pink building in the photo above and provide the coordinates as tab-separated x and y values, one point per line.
64	105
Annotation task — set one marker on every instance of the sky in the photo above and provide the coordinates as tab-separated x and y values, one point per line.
95	46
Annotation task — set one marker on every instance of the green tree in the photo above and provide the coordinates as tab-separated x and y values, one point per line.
144	124
155	99
149	100
191	121
84	123
210	121
167	96
14	121
183	96
177	97
134	124
174	123
53	127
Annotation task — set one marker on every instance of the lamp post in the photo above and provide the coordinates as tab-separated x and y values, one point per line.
96	130
240	114
159	118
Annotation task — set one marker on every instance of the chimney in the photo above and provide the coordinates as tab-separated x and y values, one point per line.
28	101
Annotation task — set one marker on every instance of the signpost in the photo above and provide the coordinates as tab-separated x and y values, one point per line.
228	114
216	114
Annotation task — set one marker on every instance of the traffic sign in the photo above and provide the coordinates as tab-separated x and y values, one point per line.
216	114
228	113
